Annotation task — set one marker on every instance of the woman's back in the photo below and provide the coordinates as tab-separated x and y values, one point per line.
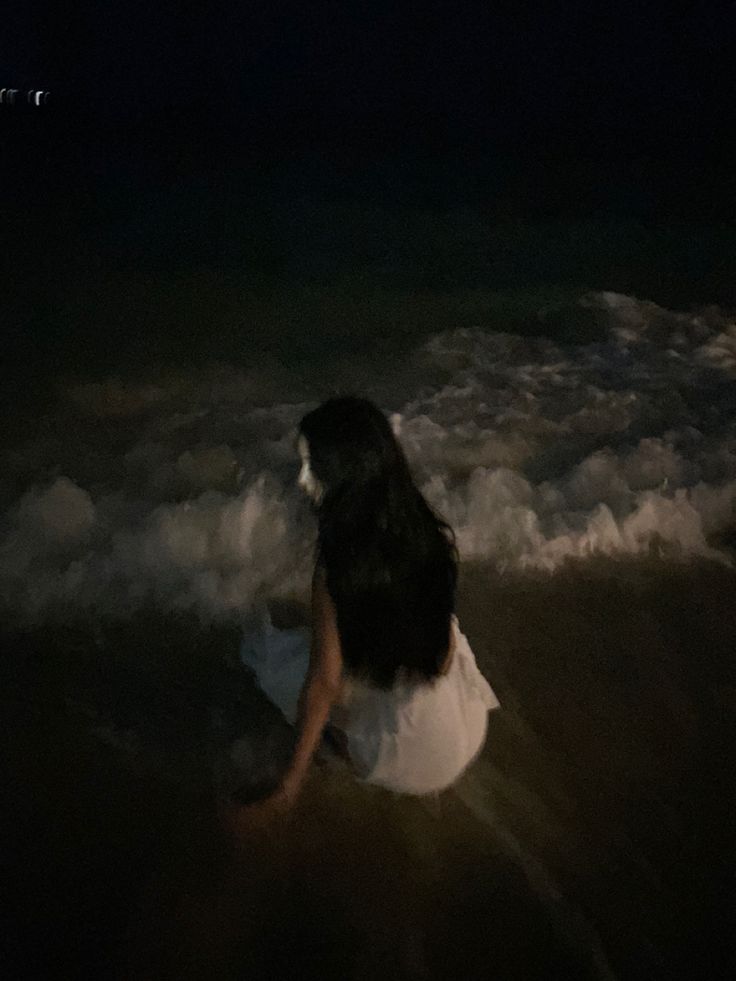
393	609
418	736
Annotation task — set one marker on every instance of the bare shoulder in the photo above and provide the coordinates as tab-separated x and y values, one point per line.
324	615
326	649
319	574
450	654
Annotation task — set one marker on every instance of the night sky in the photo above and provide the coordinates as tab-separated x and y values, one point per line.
526	112
514	78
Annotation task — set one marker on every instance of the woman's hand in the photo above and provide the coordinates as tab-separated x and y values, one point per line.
238	820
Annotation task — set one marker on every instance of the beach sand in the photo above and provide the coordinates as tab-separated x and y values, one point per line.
592	838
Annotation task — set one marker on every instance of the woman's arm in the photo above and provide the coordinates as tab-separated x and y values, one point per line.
321	686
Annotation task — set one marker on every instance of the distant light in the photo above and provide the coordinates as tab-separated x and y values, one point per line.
34	97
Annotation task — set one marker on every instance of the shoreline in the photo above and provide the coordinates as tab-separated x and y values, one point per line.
607	767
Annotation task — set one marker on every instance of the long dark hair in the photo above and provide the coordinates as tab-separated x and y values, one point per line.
391	561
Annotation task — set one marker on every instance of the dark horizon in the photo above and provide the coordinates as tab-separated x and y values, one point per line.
590	151
281	80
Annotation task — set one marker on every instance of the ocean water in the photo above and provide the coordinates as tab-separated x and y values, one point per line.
589	472
179	487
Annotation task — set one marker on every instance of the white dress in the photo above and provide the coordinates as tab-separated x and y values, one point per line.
414	738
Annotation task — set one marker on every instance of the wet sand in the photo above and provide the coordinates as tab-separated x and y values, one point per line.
591	839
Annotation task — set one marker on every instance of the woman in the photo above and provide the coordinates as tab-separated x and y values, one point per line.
389	675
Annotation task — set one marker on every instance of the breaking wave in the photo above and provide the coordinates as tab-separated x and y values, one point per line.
180	490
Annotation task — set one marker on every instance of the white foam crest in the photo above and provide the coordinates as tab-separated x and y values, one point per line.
720	351
47	523
535	451
496	515
211	554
